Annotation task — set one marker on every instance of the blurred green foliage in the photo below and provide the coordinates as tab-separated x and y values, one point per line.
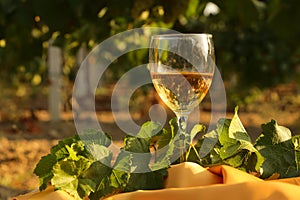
257	41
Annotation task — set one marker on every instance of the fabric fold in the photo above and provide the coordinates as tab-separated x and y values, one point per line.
191	181
48	194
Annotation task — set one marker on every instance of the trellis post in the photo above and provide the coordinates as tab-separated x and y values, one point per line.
54	69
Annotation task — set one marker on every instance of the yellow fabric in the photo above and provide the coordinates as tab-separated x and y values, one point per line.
191	181
48	194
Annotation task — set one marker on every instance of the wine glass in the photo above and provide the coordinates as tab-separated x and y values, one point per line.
182	68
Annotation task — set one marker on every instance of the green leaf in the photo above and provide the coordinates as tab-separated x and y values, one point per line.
101	153
67	175
69	147
136	145
238	159
280	150
72	153
223	131
279	158
252	151
236	129
124	162
229	144
119	178
146	181
164	157
296	143
104	188
85	187
167	151
44	170
164	138
139	148
149	129
238	132
192	153
173	127
92	136
96	172
209	150
229	150
208	143
196	129
60	150
100	174
272	134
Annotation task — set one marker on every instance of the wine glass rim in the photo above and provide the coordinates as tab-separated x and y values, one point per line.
176	35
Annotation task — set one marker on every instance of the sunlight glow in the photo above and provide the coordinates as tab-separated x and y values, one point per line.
2	43
211	9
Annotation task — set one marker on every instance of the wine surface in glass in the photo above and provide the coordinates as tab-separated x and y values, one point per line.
182	91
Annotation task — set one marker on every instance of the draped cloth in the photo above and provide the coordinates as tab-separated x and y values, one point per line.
191	181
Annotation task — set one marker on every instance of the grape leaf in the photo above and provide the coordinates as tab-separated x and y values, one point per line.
149	129
237	132
196	129
96	172
60	150
44	170
164	138
272	134
206	151
170	143
228	144
67	176
238	159
280	151
223	130
83	169
92	136
236	129
173	127
104	188
164	154
124	162
101	153
44	167
296	143
136	145
229	150
100	174
207	143
280	159
146	181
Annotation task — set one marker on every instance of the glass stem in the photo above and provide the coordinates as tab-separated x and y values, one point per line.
183	136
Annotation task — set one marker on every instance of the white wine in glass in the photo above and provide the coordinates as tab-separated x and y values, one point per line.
182	68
